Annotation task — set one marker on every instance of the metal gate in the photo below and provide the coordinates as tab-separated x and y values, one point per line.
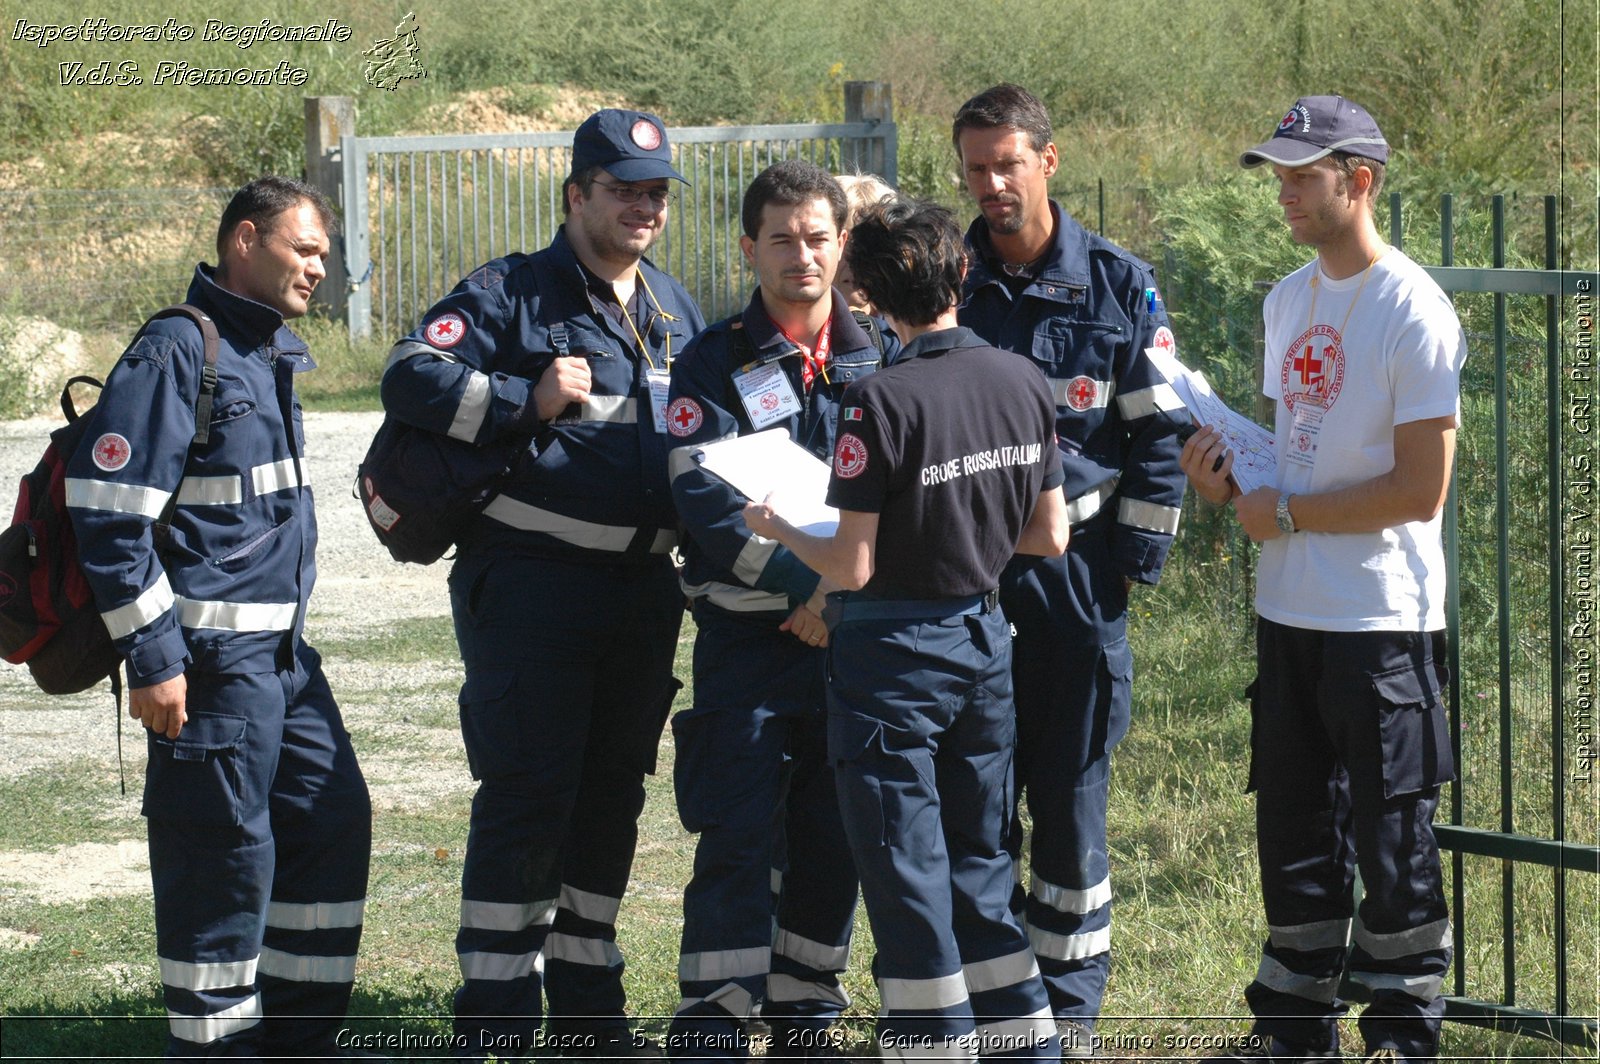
422	212
1523	644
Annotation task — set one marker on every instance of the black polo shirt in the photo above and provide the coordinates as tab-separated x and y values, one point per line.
951	447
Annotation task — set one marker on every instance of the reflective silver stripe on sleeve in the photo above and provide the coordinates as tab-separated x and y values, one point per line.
571	530
938	993
983	976
1089	503
1147	401
575	949
1007	1036
134	499
204	1030
717	965
275	476
211	491
298	969
817	955
1068	900
610	409
1070	947
211	975
1322	934
775	880
498	967
1275	976
1150	516
411	349
236	616
1422	939
737	600
472	409
753	558
1421	987
1063	389
506	916
317	916
596	908
682	459
782	987
152	602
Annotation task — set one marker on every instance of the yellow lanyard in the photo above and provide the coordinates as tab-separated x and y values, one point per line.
643	349
1311	318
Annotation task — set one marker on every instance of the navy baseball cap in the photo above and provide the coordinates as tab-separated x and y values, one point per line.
630	145
1317	126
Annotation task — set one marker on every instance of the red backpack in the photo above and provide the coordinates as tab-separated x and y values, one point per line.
48	618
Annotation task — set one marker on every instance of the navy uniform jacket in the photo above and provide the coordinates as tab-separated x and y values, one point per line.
726	564
1086	320
593	485
227	591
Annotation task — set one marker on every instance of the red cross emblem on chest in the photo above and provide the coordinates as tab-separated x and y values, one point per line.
1309	366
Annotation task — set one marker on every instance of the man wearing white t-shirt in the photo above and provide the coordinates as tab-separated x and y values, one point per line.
1349	741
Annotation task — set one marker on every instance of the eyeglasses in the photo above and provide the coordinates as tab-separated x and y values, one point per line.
659	197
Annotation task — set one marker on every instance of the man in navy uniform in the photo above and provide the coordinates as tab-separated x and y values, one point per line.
751	770
259	822
947	461
1083	312
566	604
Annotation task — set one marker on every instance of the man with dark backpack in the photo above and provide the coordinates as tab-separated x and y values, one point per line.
258	816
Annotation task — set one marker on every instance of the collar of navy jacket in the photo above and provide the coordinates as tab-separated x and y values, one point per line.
1066	263
254	323
770	343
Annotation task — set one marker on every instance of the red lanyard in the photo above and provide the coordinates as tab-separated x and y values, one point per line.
812	362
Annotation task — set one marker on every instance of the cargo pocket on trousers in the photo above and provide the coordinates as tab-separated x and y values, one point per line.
491	727
1413	731
694	761
860	788
1252	697
197	778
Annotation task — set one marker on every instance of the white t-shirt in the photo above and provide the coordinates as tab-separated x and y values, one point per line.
1344	375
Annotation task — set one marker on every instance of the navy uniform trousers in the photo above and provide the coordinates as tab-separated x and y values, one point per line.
260	832
1349	744
568	685
1074	684
752	778
921	732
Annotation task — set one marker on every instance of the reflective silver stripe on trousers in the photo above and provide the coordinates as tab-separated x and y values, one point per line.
738	600
316	916
1103	391
1150	516
1068	900
596	908
236	616
1069	947
299	969
713	965
1089	503
506	916
812	954
152	602
753	558
209	975
1323	934
106	495
499	967
983	976
206	1029
1422	939
732	998
939	993
1008	1036
1275	976
782	987
570	529
1421	987
574	949
1147	401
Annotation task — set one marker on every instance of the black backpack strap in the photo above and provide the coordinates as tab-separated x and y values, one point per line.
203	401
870	327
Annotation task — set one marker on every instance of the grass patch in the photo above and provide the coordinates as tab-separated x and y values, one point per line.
69	802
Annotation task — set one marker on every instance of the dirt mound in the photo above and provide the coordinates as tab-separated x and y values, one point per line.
36	357
515	109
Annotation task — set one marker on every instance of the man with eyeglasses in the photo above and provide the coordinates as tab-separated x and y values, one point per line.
566	604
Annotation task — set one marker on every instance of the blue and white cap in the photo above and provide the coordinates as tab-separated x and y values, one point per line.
1317	126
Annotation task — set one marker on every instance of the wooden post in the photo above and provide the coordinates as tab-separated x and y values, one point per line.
870	101
327	119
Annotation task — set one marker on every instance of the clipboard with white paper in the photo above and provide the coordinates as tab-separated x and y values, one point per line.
770	463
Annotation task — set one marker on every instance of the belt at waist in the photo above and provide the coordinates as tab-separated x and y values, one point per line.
862	609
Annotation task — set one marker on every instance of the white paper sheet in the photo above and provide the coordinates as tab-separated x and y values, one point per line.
769	462
1255	450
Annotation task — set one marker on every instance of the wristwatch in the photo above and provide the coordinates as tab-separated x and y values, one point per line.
1285	519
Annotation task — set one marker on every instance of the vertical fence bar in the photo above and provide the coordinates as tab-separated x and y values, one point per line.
382	271
461	224
1555	466
477	242
1502	514
416	260
427	176
1452	606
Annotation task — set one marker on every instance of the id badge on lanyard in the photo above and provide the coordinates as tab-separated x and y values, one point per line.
767	395
656	382
1302	450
